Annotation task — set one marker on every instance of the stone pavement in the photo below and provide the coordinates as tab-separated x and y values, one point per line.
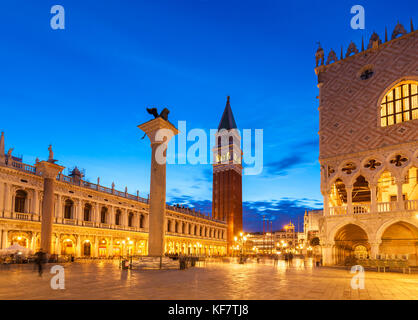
212	280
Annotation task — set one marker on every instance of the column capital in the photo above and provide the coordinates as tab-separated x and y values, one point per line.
158	128
48	169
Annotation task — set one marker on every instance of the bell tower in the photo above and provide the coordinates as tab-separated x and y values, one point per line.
227	175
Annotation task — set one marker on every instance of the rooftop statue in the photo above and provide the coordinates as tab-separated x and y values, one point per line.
51	155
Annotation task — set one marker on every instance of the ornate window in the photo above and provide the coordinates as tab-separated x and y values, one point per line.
103	215
117	217
68	209
400	104
20	201
131	220
87	210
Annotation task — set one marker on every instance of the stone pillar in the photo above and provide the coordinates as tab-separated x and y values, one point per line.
159	131
349	199
1	198
111	247
78	247
35	203
7	201
49	172
79	216
327	256
373	198
374	249
97	214
59	208
4	243
326	203
95	252
400	202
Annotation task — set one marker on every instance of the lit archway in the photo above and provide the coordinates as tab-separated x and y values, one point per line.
400	240
347	239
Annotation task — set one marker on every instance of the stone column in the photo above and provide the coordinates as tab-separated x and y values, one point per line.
59	208
349	199
4	239
97	214
7	201
159	131
35	203
373	199
49	172
400	202
79	217
327	255
111	247
326	203
1	198
374	249
78	247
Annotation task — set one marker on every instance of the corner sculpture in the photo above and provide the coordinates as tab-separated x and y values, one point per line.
163	114
154	112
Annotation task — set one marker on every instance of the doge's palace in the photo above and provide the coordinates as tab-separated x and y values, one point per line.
368	136
93	220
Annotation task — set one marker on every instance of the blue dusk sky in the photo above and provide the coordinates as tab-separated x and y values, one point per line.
84	89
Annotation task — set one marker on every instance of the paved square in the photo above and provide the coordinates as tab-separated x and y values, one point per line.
212	280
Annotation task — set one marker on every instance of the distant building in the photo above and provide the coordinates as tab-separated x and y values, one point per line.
311	226
277	241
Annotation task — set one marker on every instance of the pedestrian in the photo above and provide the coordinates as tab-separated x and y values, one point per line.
39	261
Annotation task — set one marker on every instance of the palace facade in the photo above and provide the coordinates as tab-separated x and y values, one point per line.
93	220
368	136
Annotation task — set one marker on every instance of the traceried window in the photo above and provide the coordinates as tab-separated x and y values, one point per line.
400	104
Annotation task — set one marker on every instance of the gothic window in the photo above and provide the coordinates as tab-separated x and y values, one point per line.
372	164
87	211
20	201
103	215
398	160
117	217
400	104
349	168
68	209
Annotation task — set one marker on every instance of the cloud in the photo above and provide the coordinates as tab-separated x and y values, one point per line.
279	168
279	211
302	154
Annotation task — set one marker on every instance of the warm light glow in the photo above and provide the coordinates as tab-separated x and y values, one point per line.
400	104
235	238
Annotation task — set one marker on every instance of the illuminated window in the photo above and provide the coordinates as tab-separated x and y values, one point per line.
400	104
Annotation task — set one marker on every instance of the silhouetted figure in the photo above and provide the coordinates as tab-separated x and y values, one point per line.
290	258
39	261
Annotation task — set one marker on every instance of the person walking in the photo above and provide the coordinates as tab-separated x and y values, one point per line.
39	261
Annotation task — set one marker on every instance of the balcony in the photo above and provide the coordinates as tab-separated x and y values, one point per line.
23	216
69	221
88	223
382	207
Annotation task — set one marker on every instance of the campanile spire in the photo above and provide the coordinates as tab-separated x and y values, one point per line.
227	175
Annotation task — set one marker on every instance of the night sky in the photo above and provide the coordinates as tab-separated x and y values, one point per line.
84	89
